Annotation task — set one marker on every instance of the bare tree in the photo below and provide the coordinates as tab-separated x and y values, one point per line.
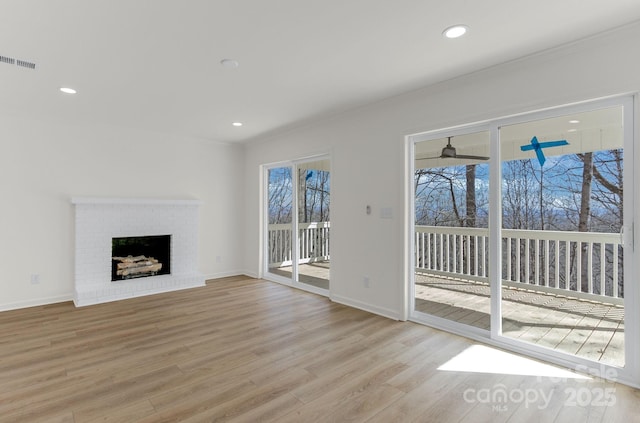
448	196
303	211
280	195
584	213
607	203
608	190
470	198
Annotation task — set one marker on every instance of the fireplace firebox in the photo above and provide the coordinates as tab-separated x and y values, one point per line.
140	256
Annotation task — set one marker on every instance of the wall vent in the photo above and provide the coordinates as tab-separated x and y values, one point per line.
17	62
9	60
25	64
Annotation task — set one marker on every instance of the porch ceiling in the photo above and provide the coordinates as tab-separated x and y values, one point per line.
595	130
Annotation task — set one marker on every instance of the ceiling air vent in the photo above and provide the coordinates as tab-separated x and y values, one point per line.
25	64
9	60
17	62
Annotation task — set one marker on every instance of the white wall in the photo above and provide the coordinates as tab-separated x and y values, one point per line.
367	147
44	164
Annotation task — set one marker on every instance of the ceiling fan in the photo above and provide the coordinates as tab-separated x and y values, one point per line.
449	152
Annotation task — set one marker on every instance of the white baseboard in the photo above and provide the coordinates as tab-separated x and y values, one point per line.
221	275
250	273
70	297
36	302
228	274
381	311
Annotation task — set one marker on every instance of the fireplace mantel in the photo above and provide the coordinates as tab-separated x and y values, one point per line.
98	220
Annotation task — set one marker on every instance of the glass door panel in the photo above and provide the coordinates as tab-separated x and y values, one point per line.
451	189
313	183
562	254
279	225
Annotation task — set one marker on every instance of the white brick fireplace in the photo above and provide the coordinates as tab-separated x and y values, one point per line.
99	220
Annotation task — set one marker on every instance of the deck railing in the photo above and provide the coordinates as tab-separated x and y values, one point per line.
581	264
314	243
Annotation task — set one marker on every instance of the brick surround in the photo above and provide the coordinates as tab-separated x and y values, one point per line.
98	220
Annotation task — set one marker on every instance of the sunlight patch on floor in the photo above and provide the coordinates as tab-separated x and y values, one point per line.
483	359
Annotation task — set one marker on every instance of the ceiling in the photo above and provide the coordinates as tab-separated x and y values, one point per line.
155	64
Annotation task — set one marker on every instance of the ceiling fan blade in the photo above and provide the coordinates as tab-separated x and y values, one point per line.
470	157
449	152
458	156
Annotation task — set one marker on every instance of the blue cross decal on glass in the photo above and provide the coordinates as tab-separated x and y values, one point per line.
538	146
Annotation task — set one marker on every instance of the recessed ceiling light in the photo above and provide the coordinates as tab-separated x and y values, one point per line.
229	63
237	123
455	31
68	90
574	121
572	130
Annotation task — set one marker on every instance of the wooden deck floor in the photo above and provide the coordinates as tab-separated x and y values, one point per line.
588	329
316	274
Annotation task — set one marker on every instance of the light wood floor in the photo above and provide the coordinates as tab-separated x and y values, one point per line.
248	350
588	329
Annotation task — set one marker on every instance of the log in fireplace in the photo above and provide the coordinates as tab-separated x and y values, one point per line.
140	256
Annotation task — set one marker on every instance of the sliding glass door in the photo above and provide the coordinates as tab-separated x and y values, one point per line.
280	209
298	224
523	233
563	272
314	225
451	203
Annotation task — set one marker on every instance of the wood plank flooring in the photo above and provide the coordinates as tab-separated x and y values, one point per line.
248	350
587	329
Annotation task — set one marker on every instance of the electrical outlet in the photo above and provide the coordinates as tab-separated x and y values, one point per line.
218	259
35	279
366	282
